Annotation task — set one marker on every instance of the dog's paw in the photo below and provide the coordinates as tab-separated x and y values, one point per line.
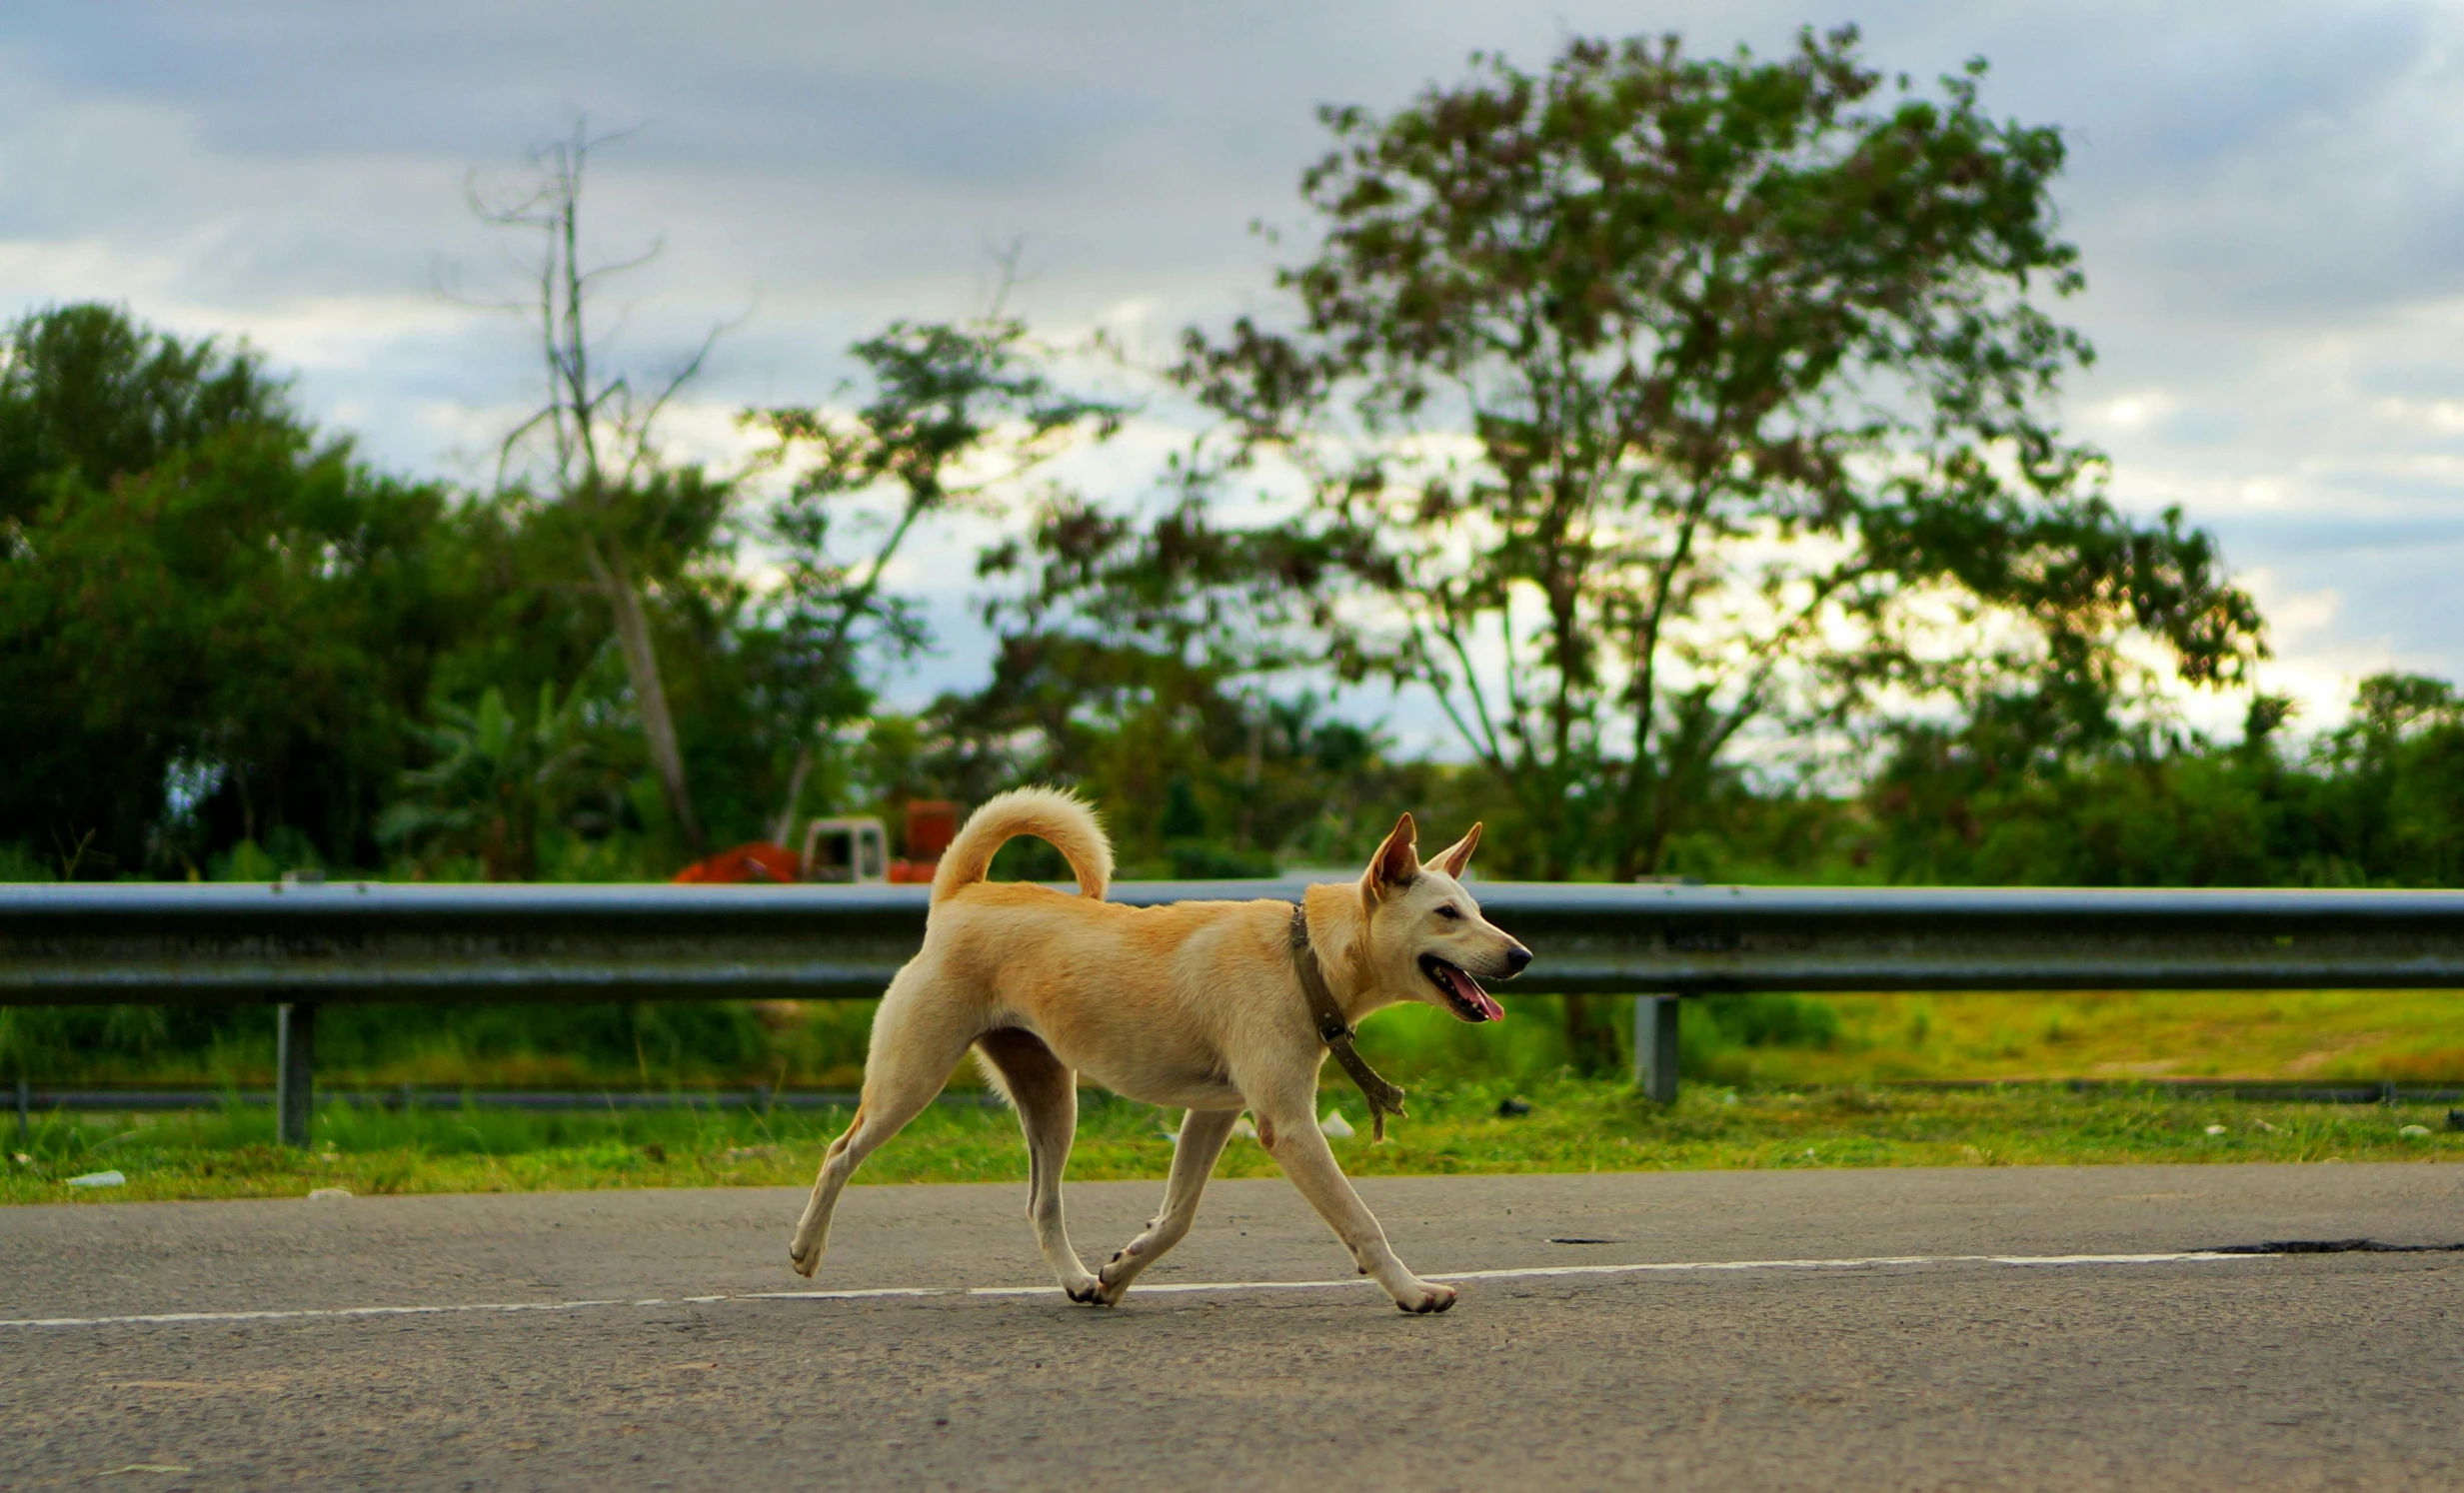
806	1262
1427	1301
1114	1280
1089	1292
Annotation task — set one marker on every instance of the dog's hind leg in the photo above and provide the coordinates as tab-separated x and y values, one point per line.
1046	1092
1203	1133
918	1036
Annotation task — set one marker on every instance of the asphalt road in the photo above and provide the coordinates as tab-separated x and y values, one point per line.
1929	1371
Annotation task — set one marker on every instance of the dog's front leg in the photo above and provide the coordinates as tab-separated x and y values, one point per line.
1289	1132
1203	1133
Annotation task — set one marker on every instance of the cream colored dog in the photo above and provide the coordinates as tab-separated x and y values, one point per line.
1196	1005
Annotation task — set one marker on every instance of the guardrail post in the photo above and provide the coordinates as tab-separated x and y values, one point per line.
295	1070
1655	1047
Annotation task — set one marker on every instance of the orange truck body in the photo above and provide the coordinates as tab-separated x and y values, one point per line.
931	824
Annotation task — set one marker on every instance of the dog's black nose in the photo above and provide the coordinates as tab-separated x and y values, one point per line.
1516	957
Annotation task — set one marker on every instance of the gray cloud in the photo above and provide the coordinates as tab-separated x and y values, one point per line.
2270	196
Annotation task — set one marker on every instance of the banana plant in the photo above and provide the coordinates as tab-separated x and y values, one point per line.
496	779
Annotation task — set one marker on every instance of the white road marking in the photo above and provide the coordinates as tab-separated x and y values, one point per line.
2165	1258
1668	1267
149	1319
862	1295
1155	1289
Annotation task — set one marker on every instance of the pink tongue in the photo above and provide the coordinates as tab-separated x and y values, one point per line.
1472	995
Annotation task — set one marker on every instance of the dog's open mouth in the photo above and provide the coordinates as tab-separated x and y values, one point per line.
1463	996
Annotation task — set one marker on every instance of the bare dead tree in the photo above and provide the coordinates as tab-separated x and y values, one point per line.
597	430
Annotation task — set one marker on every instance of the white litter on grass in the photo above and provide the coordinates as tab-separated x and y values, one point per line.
1336	1128
2215	1129
1242	1130
2417	1132
99	1179
320	1194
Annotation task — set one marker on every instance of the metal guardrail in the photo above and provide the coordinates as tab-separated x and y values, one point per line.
304	944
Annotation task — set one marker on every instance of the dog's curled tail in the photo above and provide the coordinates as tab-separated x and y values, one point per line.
1054	814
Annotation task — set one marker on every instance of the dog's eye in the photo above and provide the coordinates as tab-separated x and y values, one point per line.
1451	914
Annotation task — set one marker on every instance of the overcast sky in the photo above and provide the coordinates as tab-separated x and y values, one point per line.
2270	197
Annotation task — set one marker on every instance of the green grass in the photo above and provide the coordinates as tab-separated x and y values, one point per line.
2413	1037
1772	1081
1455	1128
2408	1036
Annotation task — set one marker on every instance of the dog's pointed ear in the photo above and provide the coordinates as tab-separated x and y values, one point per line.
1456	859
1396	863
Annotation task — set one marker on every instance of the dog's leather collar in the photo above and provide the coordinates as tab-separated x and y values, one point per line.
1384	1098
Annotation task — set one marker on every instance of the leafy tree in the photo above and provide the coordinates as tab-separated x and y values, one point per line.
2397	776
1978	806
2375	802
960	414
1137	730
89	395
1199	774
1139	656
1696	392
535	616
212	625
1250	602
1682	395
